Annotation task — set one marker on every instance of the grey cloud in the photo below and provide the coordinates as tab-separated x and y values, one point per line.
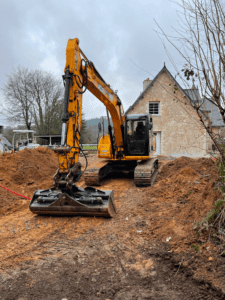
34	34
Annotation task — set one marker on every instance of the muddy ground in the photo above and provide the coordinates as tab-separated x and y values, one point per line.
145	252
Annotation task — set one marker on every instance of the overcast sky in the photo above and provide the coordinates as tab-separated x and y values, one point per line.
112	34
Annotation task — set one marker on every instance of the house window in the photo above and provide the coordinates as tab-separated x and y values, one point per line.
154	108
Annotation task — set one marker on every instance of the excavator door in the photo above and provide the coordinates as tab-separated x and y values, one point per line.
137	135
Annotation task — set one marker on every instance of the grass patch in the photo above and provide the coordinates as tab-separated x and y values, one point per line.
89	147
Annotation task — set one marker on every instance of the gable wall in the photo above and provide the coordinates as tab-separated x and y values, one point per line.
181	133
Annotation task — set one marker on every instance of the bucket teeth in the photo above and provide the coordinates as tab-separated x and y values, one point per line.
90	201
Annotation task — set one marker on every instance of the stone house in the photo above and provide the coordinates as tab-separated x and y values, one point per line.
176	124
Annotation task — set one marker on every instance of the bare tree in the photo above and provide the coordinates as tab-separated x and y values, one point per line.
200	40
46	96
33	98
17	106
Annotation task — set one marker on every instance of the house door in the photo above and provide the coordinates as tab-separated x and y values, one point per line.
158	143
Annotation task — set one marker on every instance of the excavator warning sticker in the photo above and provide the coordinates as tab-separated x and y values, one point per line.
110	95
101	88
104	91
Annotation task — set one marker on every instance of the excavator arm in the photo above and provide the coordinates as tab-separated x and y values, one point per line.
66	198
81	74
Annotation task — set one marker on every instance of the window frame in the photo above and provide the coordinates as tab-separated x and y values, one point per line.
155	102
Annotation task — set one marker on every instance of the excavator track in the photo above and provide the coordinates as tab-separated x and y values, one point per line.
96	172
91	177
146	172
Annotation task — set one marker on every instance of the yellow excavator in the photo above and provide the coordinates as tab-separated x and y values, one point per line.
128	146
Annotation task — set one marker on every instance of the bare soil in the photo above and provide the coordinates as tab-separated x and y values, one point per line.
144	252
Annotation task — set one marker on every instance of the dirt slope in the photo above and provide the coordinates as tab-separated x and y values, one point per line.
121	258
24	171
184	191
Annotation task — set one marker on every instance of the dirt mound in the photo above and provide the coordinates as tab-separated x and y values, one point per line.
184	192
202	166
24	172
159	215
188	172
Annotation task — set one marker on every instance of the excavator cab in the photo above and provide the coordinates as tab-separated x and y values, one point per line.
136	135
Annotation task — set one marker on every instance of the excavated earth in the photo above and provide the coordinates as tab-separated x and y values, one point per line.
145	252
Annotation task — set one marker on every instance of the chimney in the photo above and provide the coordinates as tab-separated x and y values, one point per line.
146	83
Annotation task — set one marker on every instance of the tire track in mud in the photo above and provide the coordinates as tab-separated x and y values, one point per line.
93	266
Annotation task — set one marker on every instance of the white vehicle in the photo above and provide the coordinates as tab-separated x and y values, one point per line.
26	140
5	145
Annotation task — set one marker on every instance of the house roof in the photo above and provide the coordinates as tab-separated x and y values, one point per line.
164	69
212	109
214	114
193	94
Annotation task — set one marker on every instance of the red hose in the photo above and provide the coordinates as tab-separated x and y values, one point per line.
14	192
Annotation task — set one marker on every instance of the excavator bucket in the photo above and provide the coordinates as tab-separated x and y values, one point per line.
87	202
